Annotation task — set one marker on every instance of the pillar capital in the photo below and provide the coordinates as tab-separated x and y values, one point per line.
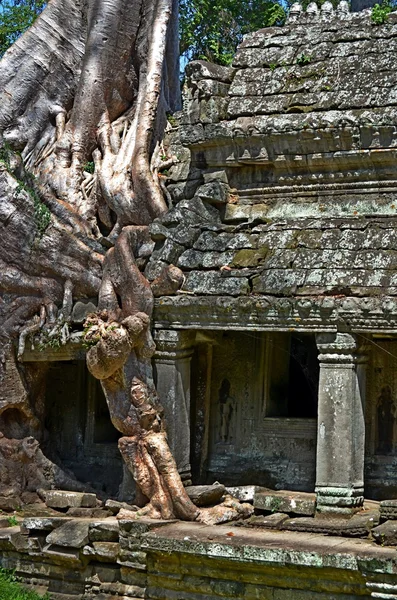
340	348
174	343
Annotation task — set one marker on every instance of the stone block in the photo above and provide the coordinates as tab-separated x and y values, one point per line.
215	283
9	504
103	551
68	557
43	523
300	503
385	534
104	531
274	521
63	499
214	191
87	513
205	495
358	525
388	510
73	534
114	506
244	493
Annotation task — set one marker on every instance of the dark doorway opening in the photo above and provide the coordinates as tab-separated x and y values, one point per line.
304	371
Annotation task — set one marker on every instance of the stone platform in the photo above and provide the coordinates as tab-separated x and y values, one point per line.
126	560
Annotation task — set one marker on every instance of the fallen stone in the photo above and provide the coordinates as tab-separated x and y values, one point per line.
299	503
73	534
6	536
96	513
205	495
104	531
43	523
386	533
9	504
244	493
273	521
115	506
358	525
68	557
64	499
103	551
388	510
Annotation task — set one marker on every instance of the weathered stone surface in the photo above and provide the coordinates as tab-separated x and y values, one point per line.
9	504
64	499
81	310
205	495
388	509
386	533
114	506
358	525
87	513
300	503
274	521
73	534
244	493
103	551
47	523
104	531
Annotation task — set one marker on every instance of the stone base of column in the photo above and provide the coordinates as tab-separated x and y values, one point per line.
339	500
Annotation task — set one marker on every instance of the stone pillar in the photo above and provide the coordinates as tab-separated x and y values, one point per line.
174	350
341	425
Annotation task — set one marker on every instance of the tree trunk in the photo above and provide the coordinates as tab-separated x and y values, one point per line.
89	84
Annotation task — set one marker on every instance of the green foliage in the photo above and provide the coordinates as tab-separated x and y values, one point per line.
211	29
380	12
12	521
15	17
10	589
89	167
42	214
303	59
5	155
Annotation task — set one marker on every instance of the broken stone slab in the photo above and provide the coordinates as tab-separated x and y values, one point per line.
386	533
43	523
6	537
103	551
9	504
96	513
205	495
64	499
299	503
104	531
358	525
273	521
114	506
244	493
73	534
388	510
69	557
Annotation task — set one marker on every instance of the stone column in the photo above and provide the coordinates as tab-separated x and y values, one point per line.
341	425
174	350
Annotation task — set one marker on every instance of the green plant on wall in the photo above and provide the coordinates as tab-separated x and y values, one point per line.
380	12
11	589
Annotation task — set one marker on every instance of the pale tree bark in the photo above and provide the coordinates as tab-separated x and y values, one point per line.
90	82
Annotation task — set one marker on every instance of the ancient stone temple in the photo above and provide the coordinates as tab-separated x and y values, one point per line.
276	359
284	223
